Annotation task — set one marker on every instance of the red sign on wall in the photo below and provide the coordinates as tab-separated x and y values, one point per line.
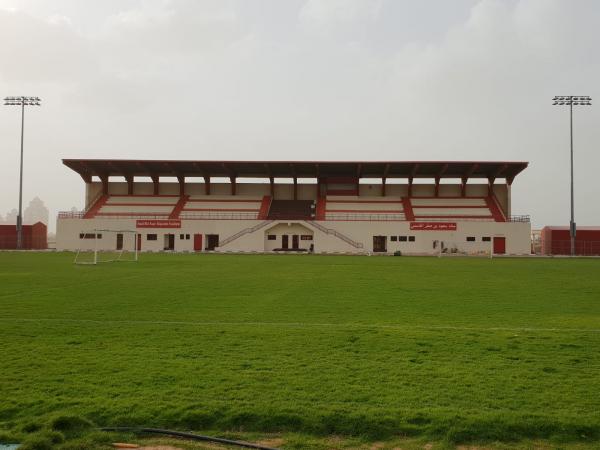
433	226
158	223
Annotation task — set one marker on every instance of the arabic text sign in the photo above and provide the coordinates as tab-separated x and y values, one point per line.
433	226
158	223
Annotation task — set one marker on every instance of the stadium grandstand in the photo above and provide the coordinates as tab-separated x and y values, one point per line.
321	207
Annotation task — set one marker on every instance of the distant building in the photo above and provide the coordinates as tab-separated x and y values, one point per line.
34	237
557	241
11	217
36	212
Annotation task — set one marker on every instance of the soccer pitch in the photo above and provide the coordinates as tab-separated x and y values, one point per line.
448	349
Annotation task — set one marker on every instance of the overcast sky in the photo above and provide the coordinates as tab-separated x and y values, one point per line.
303	79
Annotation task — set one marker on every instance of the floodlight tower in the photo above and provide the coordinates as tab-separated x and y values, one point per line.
570	101
22	102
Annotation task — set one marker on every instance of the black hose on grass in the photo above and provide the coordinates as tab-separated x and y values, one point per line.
190	436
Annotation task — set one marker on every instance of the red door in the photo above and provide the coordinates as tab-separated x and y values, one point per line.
499	245
284	241
139	242
197	242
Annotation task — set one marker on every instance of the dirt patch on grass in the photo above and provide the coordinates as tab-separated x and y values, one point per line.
472	447
160	447
272	442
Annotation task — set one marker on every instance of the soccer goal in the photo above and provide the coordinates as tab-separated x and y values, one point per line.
103	246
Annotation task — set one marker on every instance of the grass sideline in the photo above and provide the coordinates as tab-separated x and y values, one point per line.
449	350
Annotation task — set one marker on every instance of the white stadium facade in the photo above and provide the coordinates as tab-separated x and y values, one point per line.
415	208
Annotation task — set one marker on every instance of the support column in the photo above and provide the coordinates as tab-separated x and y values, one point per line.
181	180
155	185
233	185
509	181
463	186
410	186
272	185
383	180
207	185
491	186
295	188
104	179
129	179
437	187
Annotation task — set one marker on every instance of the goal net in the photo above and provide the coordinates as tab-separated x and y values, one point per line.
102	246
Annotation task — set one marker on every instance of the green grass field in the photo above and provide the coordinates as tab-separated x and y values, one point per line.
450	350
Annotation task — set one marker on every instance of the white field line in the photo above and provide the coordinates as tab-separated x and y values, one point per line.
304	325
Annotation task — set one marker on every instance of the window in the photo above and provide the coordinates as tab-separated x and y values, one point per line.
187	237
181	236
402	238
393	238
272	237
411	239
306	237
470	238
486	239
89	236
151	237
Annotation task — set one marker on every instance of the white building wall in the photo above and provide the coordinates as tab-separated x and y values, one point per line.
517	234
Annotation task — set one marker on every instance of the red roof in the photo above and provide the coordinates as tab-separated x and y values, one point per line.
299	169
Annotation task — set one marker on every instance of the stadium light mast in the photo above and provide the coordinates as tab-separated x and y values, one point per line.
22	102
570	101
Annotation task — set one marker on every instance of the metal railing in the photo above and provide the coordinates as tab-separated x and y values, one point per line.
207	215
218	215
563	247
223	215
522	218
71	214
243	232
289	216
335	233
366	217
469	219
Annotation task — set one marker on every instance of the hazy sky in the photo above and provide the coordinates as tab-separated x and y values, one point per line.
303	79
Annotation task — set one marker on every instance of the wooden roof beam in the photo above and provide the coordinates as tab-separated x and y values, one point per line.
414	170
500	170
442	171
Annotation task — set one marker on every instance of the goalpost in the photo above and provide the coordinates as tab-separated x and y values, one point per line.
105	245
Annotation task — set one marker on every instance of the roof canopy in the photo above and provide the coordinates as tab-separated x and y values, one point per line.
297	169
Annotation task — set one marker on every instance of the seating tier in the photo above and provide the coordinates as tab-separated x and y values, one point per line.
364	208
